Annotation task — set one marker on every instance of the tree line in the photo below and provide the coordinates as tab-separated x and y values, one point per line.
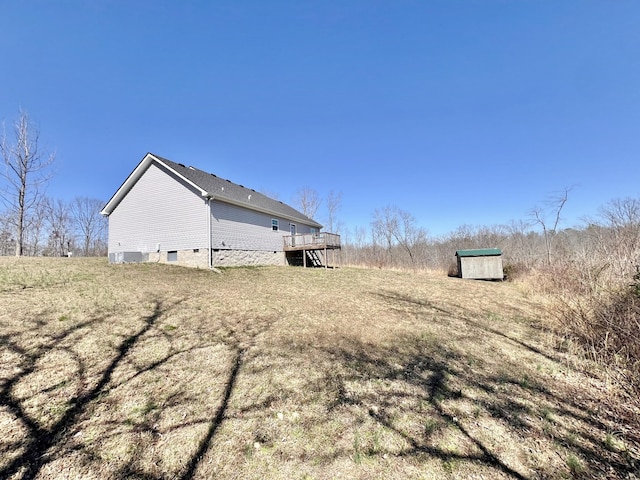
32	223
606	245
610	242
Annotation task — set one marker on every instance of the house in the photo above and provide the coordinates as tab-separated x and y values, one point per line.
168	212
481	264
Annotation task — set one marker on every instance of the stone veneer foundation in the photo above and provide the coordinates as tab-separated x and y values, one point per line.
221	258
237	258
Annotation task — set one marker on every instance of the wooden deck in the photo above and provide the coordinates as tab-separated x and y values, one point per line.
311	241
311	249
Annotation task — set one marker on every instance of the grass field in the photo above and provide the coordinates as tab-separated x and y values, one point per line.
158	372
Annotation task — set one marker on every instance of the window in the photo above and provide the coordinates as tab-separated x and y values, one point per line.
275	225
314	230
172	256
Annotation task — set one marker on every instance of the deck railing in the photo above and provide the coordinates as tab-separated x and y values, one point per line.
312	240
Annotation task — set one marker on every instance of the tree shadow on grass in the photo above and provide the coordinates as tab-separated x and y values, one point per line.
420	378
240	341
425	305
503	416
217	419
421	387
489	329
123	376
39	438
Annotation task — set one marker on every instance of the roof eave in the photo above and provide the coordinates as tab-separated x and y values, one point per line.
479	252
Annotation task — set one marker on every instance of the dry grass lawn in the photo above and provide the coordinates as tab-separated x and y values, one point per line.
159	372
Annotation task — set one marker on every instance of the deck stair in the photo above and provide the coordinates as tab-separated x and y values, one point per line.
314	258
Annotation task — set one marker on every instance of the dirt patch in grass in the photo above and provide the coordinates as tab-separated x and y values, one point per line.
153	371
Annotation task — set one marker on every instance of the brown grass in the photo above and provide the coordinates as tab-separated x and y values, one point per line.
157	372
595	313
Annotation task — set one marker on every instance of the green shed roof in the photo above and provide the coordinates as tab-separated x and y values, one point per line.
480	252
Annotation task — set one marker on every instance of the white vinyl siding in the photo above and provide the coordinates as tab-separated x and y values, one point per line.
237	228
159	209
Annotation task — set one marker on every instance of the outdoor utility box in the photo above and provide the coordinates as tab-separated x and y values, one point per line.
481	264
128	257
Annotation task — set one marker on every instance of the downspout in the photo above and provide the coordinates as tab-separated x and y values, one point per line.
209	231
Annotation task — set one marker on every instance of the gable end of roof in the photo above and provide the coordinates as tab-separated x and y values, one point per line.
134	176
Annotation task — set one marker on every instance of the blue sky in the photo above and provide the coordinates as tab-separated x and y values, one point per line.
460	112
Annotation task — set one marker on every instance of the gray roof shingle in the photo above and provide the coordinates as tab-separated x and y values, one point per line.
223	189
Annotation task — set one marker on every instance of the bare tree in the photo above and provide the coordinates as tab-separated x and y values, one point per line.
6	237
60	227
380	254
35	228
382	227
548	217
26	171
463	237
621	244
333	204
408	234
308	200
521	242
89	224
397	227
